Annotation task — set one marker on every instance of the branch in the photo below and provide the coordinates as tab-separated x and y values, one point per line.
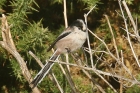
130	16
100	72
51	76
85	16
128	36
65	14
114	41
8	45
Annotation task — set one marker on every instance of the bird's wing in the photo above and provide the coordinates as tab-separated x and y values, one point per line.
64	34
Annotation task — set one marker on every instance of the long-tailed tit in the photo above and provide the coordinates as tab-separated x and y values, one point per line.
71	39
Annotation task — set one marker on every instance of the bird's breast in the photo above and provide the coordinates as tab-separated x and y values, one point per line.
73	41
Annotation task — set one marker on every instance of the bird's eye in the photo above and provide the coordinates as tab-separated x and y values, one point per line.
80	28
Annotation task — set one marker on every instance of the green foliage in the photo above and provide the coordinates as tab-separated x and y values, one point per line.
109	90
82	84
90	3
34	25
19	26
133	89
57	1
35	40
16	71
2	3
130	2
27	36
21	8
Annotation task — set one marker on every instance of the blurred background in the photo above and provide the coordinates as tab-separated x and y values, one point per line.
36	23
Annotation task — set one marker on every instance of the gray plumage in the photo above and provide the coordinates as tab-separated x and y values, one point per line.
71	39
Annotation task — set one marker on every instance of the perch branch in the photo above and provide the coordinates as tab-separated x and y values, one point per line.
85	16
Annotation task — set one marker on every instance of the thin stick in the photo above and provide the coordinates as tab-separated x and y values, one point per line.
93	81
85	16
65	14
9	46
104	44
114	41
99	71
105	81
69	79
90	10
79	62
56	81
51	76
66	25
129	41
121	82
130	17
37	59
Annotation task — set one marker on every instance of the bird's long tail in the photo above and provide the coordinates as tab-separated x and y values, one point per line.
44	71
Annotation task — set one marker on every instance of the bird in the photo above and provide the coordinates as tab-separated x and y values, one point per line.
72	38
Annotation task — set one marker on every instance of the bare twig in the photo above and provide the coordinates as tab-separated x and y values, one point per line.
114	41
104	44
65	14
51	76
93	81
78	61
56	81
90	51
69	79
8	44
37	59
6	34
66	25
130	17
85	16
99	71
126	27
